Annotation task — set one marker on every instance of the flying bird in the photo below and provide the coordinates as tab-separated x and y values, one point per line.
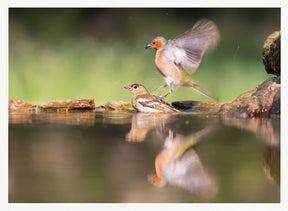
184	52
143	101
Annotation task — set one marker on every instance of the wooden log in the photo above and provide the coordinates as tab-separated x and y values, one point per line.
115	106
71	104
16	105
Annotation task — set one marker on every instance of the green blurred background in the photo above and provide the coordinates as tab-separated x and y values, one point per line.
64	53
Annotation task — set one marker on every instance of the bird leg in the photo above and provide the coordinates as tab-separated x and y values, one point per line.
169	139
157	89
170	90
160	87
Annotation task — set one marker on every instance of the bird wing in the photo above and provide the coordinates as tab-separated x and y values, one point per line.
187	172
155	102
187	49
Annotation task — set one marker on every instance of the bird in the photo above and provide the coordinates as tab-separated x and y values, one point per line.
184	52
143	101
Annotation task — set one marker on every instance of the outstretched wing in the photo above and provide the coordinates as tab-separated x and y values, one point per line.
187	49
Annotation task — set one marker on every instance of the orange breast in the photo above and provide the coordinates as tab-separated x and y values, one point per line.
167	69
165	156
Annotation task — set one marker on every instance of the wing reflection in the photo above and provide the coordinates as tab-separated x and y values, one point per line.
142	123
178	165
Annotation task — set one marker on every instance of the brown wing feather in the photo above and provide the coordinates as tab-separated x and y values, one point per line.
159	104
187	49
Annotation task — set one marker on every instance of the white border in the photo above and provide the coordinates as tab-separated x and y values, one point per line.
148	3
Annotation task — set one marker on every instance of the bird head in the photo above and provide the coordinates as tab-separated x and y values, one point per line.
137	89
157	43
156	181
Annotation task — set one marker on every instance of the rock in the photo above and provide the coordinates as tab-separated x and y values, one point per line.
275	110
263	101
15	105
72	104
271	53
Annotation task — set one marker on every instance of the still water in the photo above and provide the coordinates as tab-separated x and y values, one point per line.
88	157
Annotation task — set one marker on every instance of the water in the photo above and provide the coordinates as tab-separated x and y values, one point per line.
108	157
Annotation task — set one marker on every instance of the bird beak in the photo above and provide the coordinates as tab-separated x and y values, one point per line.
149	177
127	87
149	46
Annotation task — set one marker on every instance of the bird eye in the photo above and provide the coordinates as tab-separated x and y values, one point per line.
135	87
154	43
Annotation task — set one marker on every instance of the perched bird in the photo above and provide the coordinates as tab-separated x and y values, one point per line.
144	102
184	52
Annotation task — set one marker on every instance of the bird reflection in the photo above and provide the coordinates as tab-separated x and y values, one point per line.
178	165
142	123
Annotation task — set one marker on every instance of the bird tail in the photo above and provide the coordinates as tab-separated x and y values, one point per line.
197	137
191	83
203	91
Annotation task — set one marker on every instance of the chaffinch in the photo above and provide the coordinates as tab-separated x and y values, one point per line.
184	52
144	102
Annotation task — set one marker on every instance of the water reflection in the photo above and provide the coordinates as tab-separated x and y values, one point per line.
269	132
106	157
178	165
86	118
267	129
271	165
142	123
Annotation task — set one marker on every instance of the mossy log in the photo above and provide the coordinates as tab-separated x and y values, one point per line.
71	104
116	106
14	105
